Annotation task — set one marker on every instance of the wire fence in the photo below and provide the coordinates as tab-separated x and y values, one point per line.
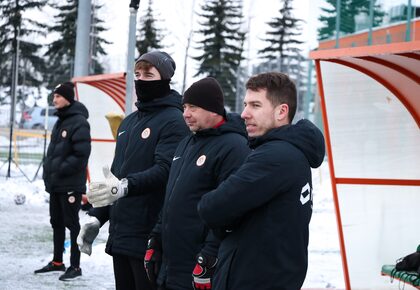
22	153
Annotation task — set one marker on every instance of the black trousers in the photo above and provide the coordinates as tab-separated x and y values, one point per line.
64	213
130	274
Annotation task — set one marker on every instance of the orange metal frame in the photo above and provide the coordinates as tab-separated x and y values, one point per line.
333	179
343	57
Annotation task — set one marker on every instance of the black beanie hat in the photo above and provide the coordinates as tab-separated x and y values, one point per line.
66	90
207	94
161	61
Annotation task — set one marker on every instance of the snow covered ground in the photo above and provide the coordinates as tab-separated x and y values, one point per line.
26	240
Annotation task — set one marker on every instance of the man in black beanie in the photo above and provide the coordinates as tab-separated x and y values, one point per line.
132	194
65	90
65	176
216	147
207	94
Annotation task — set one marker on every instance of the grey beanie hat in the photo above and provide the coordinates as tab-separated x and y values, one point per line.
161	61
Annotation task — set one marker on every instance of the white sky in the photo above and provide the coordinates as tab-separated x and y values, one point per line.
175	16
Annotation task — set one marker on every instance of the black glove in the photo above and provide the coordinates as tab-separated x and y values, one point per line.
153	258
203	272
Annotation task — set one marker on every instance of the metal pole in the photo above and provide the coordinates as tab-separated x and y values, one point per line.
408	29
337	24
45	141
13	101
370	22
308	89
184	79
129	77
238	95
81	59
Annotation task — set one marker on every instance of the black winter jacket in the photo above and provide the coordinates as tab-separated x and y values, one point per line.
201	162
268	201
68	152
146	143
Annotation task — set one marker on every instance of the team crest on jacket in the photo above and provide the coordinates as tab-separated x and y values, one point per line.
72	199
64	133
146	133
201	160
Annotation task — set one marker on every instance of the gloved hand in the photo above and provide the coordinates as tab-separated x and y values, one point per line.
153	258
108	191
203	272
87	235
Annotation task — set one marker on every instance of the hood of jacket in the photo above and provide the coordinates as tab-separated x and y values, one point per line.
304	135
76	108
173	99
233	124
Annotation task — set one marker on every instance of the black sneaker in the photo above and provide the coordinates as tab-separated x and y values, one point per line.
71	273
50	267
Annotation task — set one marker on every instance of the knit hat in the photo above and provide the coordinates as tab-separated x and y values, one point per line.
161	61
66	90
207	94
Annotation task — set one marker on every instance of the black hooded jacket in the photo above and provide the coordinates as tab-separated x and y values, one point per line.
68	152
146	143
201	162
268	205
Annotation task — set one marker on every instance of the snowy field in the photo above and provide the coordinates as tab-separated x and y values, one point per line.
26	240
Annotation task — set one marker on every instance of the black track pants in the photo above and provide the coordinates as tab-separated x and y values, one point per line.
64	213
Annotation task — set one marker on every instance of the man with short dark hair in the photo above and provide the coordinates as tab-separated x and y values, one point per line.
133	191
266	205
216	147
65	176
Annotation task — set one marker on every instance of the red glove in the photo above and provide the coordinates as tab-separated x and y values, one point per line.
153	258
203	272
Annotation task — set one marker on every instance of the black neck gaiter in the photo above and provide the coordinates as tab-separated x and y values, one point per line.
149	90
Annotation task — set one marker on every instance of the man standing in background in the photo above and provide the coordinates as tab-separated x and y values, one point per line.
65	170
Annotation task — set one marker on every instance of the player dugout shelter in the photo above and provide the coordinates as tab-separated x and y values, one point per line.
101	94
370	99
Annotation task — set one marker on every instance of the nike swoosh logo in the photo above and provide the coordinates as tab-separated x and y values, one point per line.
119	134
176	158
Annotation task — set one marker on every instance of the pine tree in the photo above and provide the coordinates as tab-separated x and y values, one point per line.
222	44
282	42
15	28
149	37
282	52
348	10
61	52
97	42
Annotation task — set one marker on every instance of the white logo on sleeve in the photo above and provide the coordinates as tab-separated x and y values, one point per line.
305	198
176	158
122	132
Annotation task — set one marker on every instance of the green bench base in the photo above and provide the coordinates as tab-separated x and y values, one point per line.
411	278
